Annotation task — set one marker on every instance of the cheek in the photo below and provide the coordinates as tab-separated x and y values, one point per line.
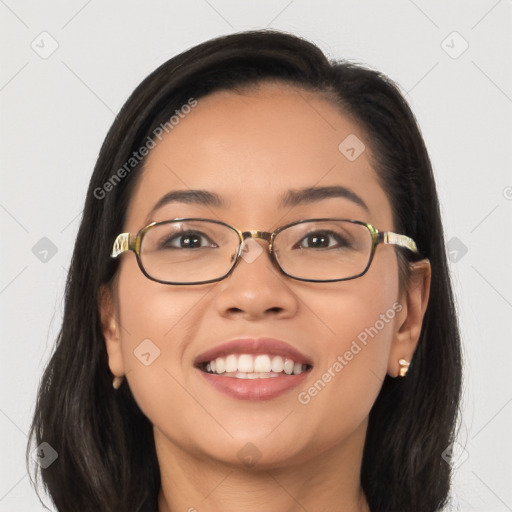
154	333
360	319
360	314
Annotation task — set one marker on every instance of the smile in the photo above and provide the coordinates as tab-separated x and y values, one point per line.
248	366
253	369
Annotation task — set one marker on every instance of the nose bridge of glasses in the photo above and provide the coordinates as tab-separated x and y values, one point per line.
254	233
263	235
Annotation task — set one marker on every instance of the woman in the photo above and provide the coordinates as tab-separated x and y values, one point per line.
258	312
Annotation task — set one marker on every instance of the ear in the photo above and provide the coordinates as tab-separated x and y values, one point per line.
111	330
409	320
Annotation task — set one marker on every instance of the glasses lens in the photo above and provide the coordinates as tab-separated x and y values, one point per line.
324	250
188	251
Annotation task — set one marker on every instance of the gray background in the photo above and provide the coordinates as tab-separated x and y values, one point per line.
56	110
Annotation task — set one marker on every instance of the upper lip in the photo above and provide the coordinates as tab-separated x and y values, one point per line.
270	346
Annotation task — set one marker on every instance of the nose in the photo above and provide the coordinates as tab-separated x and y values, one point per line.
256	288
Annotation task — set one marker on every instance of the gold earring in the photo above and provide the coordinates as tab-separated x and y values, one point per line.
404	366
117	382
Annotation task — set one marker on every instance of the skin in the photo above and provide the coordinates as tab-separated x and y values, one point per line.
251	148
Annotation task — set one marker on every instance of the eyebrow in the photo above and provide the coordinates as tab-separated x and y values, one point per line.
200	197
289	199
314	194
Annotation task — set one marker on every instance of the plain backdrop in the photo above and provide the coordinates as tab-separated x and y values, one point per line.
67	68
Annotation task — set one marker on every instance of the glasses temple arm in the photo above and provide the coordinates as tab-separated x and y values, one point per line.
121	244
388	237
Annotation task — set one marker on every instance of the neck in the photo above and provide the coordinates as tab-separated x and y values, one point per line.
329	481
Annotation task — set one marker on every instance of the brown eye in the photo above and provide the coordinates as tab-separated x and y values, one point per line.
187	240
323	240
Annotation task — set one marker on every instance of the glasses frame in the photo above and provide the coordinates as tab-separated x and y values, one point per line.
125	242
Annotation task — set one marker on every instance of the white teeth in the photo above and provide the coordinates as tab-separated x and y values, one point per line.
261	375
262	364
231	363
288	366
247	366
277	364
245	363
220	365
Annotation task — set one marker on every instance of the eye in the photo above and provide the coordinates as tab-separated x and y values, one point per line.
187	240
322	240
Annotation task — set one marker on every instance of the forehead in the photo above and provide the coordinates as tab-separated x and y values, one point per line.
251	148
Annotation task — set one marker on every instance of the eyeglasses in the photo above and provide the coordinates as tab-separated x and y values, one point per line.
198	251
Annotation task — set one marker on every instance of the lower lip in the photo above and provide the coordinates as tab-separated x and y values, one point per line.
254	389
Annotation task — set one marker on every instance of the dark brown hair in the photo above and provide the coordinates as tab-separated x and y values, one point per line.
106	455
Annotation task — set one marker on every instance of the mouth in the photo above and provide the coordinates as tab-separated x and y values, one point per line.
254	369
252	366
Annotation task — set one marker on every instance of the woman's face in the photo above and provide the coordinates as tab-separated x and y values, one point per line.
251	149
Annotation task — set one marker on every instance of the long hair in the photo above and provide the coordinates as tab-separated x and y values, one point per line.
106	455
